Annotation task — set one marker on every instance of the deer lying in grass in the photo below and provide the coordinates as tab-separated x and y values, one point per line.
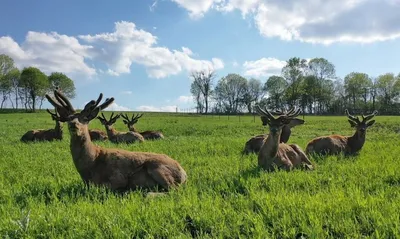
45	134
253	145
280	155
150	134
348	145
117	169
97	135
118	137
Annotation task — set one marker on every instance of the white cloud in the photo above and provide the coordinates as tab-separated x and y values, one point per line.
263	67
185	99
118	50
127	45
49	52
168	108
235	64
115	107
126	92
314	21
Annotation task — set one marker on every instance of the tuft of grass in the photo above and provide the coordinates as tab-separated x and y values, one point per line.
226	195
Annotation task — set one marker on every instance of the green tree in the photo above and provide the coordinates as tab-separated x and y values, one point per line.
202	83
293	73
7	66
62	82
230	92
275	87
253	93
357	86
388	89
34	83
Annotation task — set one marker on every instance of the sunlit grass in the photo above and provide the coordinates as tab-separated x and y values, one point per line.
226	195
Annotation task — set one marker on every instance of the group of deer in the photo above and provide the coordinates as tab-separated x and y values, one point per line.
274	152
132	136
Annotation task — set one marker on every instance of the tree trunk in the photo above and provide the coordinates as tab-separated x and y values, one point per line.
33	96
206	103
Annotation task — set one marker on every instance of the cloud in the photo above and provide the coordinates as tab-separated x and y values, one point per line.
185	99
324	22
49	52
263	67
126	92
235	64
117	50
115	107
128	45
168	108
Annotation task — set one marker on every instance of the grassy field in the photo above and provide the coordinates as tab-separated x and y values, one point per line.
226	195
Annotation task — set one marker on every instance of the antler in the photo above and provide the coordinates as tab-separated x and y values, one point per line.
265	113
365	118
54	116
351	117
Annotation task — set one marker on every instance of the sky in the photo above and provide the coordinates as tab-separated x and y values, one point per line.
141	52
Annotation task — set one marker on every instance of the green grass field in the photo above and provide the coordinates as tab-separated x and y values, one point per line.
226	195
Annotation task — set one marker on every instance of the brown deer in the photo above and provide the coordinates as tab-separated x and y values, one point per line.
150	134
97	135
117	169
348	145
45	134
274	154
118	137
253	145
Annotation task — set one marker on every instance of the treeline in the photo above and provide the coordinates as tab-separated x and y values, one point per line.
311	85
27	88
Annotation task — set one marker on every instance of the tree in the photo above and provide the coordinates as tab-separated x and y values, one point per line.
14	78
388	88
275	87
230	92
202	83
293	73
35	83
6	66
196	92
357	85
61	81
253	92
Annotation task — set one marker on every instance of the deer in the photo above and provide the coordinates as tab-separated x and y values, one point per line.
253	145
45	134
97	135
116	169
146	134
337	144
275	155
118	137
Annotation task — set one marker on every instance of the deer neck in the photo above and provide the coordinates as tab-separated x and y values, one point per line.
269	149
285	135
83	151
132	128
111	132
356	142
59	128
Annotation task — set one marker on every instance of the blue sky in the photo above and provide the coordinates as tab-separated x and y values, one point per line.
141	52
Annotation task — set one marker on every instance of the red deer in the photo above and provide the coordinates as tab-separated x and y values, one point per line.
253	145
97	135
274	154
348	145
117	169
150	134
45	134
118	137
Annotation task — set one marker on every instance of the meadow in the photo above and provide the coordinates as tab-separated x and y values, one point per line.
226	195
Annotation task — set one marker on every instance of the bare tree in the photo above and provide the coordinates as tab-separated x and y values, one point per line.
201	87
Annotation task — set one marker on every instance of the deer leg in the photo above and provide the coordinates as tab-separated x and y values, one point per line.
303	156
162	175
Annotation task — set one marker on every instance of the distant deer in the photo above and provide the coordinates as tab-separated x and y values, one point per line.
146	134
280	155
348	145
117	169
45	134
118	137
253	145
97	135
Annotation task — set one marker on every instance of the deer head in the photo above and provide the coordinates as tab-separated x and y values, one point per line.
361	126
67	113
131	122
293	122
276	124
109	122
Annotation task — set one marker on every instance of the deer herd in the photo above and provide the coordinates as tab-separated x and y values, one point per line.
123	170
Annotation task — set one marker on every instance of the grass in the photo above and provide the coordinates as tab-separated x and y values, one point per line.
226	196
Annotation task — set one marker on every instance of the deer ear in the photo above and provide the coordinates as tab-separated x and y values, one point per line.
352	124
370	123
264	120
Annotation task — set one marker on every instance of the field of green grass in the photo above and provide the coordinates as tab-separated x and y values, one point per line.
226	195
